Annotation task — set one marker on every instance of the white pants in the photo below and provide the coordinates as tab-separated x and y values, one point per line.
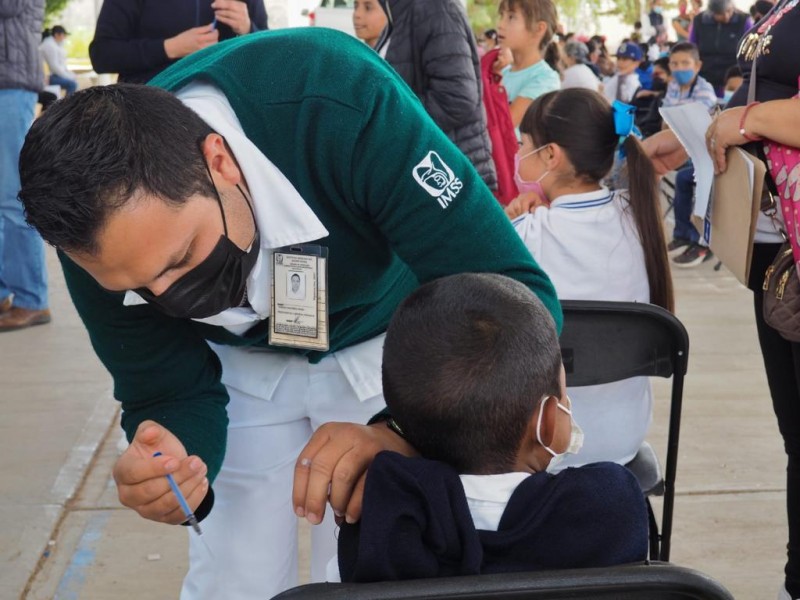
249	544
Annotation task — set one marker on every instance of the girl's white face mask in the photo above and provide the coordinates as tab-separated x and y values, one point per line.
575	437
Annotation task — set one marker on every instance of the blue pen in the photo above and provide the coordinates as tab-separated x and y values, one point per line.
214	23
182	501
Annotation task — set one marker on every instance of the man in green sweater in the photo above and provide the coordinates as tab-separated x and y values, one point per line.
180	221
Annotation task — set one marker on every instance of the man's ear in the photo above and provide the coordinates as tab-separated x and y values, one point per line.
221	162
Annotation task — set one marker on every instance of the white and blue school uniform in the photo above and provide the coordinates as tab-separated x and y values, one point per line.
589	246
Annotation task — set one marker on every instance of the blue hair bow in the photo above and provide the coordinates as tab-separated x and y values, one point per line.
624	124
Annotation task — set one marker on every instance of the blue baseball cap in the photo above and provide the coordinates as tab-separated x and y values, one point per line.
630	50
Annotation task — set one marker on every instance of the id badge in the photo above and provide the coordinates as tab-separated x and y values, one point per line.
299	317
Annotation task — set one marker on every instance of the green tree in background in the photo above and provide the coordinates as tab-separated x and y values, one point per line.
574	14
482	14
53	10
77	43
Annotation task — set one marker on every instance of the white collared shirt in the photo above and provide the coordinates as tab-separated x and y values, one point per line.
488	495
589	246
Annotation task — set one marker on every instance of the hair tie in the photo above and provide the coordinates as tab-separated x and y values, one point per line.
624	124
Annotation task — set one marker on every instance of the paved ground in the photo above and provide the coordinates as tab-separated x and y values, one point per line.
63	534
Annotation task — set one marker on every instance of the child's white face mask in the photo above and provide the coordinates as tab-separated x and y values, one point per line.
575	437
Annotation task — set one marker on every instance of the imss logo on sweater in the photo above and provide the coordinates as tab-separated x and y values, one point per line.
437	179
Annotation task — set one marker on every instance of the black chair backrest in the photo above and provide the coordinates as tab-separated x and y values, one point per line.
608	341
603	342
627	582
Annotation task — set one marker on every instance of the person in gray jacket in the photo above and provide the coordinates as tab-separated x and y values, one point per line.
430	44
23	279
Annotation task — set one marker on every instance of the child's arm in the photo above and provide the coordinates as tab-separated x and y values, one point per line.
524	203
518	108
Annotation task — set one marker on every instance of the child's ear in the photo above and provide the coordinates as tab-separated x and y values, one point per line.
555	157
533	452
539	29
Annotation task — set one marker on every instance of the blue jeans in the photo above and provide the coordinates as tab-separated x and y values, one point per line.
68	85
683	204
22	269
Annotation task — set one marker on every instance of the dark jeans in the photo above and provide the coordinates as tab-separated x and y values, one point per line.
782	363
68	85
683	204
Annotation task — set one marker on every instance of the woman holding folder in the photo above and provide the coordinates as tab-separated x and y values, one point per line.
773	114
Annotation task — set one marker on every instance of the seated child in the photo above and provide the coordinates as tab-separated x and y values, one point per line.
733	81
686	84
687	247
648	102
593	243
624	84
473	378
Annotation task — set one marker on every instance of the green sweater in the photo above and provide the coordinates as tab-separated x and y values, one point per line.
355	142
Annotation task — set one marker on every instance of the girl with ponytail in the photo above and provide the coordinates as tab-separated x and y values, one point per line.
594	244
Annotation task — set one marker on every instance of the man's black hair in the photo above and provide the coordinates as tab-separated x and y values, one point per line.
92	152
467	359
718	7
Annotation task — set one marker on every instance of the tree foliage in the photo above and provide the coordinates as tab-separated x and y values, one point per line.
574	14
53	10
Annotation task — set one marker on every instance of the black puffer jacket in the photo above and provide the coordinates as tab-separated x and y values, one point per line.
432	47
20	34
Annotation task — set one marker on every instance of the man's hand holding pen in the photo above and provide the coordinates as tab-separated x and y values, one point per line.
141	478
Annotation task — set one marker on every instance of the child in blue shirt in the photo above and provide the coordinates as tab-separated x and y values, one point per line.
526	29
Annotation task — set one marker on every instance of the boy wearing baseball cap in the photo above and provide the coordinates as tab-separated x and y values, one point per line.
624	84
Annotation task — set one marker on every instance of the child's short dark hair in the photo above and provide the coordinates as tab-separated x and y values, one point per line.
686	47
734	71
663	62
467	359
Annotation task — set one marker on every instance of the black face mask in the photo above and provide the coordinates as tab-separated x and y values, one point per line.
659	85
216	284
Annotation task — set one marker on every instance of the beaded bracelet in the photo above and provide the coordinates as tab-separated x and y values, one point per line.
742	131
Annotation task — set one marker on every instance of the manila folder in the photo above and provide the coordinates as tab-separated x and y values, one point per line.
735	202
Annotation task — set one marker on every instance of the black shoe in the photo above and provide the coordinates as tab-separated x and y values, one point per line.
693	256
677	246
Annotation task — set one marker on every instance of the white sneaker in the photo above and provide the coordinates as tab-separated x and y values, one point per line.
783	594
